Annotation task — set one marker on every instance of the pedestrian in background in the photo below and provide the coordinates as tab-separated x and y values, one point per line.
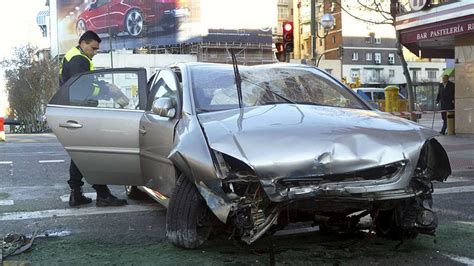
78	60
446	99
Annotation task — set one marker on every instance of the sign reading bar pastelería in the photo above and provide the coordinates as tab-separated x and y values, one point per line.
438	31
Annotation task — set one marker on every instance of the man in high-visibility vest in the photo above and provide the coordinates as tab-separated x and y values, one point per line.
78	60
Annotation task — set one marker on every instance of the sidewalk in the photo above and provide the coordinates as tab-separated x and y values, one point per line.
460	148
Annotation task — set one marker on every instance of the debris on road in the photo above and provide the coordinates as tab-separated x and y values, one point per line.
14	244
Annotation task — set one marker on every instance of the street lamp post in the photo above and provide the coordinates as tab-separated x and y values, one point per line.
327	21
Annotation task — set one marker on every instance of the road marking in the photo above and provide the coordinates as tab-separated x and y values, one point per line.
6	202
463	260
451	190
70	212
6	162
51	161
92	195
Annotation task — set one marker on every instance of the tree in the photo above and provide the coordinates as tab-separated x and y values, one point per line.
30	83
386	11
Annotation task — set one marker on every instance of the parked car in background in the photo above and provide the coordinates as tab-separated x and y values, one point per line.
130	16
297	146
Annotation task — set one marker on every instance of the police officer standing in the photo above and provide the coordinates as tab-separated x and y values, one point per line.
78	60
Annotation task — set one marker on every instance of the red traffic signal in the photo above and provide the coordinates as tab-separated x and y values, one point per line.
288	36
288	26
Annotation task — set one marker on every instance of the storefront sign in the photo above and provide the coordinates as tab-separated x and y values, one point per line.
438	31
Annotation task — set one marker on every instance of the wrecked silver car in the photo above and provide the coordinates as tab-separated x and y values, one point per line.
254	148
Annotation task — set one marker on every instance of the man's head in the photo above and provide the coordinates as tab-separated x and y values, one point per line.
445	79
89	43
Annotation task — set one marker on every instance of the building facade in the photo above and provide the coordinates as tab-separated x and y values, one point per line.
445	29
365	52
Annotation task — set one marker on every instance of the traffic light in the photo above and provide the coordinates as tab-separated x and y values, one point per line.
280	52
288	36
279	47
340	51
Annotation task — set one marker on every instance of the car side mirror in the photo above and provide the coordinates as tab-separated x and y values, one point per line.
93	6
165	107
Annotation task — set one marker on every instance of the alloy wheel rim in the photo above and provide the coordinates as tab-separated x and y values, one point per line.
134	23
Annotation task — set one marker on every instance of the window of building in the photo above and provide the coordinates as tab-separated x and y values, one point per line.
282	12
355	56
329	70
374	74
368	39
391	73
368	56
334	39
378	40
378	58
432	74
415	74
391	58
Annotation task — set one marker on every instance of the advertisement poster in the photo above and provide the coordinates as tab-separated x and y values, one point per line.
129	24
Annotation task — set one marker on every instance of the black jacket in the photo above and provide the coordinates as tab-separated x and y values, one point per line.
446	96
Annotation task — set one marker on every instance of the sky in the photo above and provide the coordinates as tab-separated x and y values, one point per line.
18	20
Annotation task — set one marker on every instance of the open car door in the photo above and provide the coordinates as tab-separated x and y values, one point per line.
96	117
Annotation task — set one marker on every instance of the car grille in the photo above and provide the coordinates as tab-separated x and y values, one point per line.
376	173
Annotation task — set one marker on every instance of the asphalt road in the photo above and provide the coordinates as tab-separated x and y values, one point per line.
33	198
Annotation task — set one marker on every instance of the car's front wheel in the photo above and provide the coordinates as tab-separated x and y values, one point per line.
188	220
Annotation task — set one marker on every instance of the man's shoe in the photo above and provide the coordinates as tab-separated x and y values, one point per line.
110	200
77	198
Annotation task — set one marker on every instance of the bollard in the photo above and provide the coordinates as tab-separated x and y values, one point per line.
2	129
450	121
391	99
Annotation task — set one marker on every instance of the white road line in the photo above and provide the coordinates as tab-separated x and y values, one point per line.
70	212
6	202
451	190
92	195
463	260
6	162
51	161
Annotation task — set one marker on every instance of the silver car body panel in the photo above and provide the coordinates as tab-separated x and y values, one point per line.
105	148
316	141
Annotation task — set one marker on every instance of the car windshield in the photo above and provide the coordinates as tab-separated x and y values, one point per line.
214	87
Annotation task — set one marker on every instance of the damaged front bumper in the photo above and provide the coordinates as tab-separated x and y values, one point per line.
253	204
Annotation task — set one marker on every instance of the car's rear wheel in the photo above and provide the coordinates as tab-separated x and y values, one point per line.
81	27
188	220
133	192
135	23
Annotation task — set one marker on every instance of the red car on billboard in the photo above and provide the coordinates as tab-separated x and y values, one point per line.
130	16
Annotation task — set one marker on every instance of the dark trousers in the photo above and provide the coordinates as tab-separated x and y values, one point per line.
445	123
75	180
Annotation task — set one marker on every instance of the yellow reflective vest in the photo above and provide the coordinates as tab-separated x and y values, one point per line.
75	51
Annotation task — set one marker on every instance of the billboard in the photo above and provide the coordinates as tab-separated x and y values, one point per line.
129	24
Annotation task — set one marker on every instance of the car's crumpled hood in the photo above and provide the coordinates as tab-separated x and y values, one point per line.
289	140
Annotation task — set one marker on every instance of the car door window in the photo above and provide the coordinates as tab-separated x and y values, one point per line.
119	88
105	90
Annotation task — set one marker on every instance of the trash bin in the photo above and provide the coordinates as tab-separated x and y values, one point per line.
391	99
